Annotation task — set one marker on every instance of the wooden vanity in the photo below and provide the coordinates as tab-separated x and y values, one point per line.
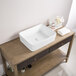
42	60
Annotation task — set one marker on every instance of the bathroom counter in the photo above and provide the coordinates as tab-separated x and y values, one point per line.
18	56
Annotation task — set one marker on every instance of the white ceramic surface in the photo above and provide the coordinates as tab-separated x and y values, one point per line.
37	37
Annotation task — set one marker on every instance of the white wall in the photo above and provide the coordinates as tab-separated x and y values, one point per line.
72	17
16	15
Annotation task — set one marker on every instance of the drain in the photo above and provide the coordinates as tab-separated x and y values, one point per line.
36	39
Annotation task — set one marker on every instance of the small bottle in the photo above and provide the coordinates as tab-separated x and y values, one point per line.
23	70
29	66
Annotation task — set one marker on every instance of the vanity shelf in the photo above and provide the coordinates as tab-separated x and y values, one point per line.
43	65
42	60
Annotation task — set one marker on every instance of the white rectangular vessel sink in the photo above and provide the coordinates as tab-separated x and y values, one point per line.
37	37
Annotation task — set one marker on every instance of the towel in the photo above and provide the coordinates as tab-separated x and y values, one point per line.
63	31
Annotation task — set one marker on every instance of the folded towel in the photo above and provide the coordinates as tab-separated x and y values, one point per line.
63	31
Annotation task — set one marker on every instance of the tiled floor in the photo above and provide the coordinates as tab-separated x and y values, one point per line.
66	69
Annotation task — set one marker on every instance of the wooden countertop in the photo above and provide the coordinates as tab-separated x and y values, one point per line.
15	52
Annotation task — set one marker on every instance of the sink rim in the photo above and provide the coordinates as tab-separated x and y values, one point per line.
40	42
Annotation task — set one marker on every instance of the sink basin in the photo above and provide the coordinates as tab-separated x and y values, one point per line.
37	37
